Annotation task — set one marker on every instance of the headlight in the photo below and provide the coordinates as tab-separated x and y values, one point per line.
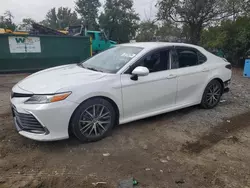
42	99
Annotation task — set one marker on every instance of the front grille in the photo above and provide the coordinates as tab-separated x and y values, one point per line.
27	122
19	95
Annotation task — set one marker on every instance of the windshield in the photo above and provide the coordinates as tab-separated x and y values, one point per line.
112	60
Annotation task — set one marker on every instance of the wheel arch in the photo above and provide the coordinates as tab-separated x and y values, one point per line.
219	80
202	103
205	86
112	102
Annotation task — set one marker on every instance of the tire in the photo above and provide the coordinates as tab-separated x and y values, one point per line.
93	120
212	95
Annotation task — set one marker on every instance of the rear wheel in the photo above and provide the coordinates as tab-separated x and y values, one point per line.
212	95
93	120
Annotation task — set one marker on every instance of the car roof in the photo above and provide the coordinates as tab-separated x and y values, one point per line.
152	45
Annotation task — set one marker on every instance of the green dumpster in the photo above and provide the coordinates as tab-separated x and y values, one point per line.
19	53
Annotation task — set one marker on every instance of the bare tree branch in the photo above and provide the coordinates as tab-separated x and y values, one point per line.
196	13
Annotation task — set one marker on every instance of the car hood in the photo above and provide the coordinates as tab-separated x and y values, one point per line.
53	79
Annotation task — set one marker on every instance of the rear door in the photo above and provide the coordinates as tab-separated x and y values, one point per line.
192	75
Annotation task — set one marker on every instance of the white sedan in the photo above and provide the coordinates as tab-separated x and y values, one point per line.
120	85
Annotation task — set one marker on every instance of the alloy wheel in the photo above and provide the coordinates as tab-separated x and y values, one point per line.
213	94
95	120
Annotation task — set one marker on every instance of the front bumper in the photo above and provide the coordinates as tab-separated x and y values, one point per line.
53	117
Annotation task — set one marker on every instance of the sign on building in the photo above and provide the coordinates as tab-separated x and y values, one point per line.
24	44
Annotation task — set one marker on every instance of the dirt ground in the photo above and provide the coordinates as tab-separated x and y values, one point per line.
190	148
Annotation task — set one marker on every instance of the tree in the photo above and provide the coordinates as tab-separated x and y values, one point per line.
194	14
8	15
119	20
169	31
51	19
147	31
65	17
26	25
233	37
27	22
88	9
6	21
61	18
236	8
245	7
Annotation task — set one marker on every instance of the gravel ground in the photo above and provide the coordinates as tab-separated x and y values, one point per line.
187	148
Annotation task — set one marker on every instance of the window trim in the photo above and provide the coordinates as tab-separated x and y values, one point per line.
187	48
203	55
129	71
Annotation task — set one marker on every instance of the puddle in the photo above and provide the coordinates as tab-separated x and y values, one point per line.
219	133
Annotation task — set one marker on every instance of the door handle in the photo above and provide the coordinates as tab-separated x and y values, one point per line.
205	70
171	76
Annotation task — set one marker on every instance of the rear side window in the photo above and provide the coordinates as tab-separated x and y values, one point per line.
187	57
202	58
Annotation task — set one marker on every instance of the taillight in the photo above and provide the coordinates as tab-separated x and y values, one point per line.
229	66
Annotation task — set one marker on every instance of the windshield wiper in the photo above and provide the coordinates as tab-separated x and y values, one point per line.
93	69
89	68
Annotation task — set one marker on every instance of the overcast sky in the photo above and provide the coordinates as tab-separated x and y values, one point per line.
37	9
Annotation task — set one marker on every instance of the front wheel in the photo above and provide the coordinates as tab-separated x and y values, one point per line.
93	120
212	95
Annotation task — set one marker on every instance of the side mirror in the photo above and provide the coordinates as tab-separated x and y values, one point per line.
139	71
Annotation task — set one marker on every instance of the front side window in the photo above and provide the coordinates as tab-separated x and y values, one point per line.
112	60
155	61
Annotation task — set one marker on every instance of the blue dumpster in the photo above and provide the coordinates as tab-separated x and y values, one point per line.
247	68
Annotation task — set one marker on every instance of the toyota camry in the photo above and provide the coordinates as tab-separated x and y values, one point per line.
123	84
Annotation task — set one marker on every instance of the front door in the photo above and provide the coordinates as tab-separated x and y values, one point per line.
153	93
